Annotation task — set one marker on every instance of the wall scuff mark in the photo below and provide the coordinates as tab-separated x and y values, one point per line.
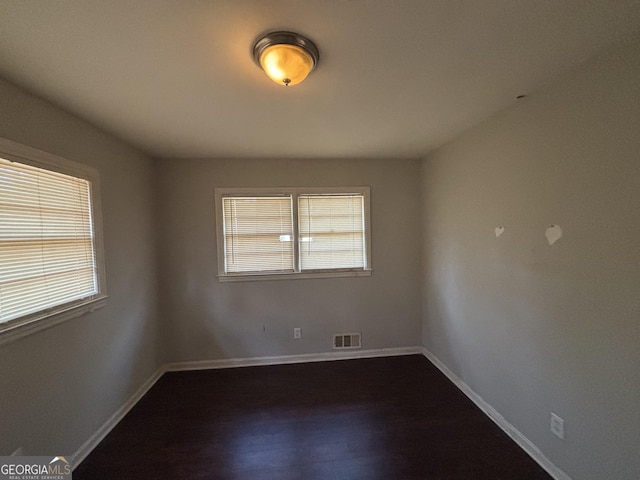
553	234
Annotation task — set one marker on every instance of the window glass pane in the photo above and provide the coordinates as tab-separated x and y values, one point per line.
258	234
47	248
331	229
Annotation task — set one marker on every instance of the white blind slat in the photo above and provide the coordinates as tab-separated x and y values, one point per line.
331	229
47	246
257	234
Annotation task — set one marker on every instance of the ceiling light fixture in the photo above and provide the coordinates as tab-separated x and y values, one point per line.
286	57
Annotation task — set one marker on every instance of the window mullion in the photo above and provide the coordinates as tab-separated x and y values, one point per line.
296	233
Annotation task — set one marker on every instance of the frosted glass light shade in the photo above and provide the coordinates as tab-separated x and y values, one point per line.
286	57
286	64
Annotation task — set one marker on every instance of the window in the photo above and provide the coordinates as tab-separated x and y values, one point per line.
271	233
257	234
50	255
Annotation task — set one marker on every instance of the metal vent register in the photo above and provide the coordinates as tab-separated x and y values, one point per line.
346	340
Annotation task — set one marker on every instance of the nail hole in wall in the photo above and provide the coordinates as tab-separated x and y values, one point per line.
499	231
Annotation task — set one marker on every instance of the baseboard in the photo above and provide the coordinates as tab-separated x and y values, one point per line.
524	443
517	436
93	441
107	426
287	359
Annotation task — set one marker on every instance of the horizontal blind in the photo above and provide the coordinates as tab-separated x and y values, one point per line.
331	229
47	250
258	234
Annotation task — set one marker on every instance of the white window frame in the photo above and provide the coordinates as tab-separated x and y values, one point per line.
294	192
28	324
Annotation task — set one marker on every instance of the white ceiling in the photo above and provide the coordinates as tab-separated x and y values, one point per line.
395	79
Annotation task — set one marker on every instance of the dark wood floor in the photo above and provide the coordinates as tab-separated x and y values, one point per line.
382	418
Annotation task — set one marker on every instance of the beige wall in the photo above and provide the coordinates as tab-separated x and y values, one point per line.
59	385
534	328
205	319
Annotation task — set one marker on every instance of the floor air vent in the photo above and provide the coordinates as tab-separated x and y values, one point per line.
346	340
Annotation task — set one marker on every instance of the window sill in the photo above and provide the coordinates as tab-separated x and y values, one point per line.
10	332
292	276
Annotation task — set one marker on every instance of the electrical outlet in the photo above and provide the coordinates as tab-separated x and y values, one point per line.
557	425
297	333
17	453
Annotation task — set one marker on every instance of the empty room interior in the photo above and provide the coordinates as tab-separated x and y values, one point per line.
343	239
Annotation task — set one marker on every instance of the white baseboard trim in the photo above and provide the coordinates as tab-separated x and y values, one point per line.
107	426
517	436
93	441
287	359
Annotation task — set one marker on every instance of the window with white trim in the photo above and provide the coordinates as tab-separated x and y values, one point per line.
300	232
50	249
